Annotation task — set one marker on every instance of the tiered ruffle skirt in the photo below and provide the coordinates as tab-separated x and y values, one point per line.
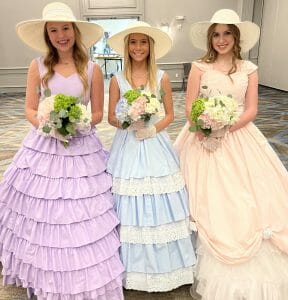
152	205
58	232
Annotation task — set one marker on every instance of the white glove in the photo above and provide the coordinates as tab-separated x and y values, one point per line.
220	133
56	135
136	125
145	132
211	143
85	129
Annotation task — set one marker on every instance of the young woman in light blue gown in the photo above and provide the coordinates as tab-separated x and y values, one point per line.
151	199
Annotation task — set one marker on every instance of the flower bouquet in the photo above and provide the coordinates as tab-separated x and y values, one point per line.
136	105
62	116
213	116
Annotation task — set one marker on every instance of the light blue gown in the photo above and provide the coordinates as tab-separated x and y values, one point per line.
152	205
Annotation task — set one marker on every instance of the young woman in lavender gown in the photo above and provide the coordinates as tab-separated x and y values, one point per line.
58	234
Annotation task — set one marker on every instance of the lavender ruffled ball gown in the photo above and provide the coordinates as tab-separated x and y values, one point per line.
57	224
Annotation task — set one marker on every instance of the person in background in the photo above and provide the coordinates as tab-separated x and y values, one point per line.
58	225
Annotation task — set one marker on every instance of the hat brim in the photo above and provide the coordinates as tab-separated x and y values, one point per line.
163	43
31	32
249	35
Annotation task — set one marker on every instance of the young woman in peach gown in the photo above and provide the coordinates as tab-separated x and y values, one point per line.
238	193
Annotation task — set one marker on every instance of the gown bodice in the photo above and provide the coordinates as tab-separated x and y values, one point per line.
215	83
70	85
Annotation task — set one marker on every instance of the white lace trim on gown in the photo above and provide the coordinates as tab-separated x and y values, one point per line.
159	282
155	235
148	185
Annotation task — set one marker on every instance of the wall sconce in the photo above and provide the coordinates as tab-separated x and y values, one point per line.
164	27
179	21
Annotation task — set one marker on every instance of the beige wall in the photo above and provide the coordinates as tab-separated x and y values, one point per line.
273	58
165	11
157	11
15	56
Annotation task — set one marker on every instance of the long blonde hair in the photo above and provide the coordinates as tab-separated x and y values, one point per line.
151	64
80	57
211	54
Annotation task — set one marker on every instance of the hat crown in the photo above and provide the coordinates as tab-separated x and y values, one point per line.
249	31
138	24
31	32
162	41
225	16
58	11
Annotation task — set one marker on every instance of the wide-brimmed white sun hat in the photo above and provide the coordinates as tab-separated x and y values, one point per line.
249	31
162	40
31	32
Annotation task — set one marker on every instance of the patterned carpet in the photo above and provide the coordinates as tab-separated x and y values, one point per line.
272	120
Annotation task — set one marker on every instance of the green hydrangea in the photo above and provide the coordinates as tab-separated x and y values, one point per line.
64	102
132	95
74	113
198	106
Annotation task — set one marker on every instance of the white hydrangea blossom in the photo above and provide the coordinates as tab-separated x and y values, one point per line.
48	127
83	125
85	114
45	107
153	105
222	110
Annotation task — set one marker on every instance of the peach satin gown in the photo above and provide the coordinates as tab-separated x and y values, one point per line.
239	200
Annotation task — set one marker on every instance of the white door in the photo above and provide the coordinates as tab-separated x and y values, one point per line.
273	50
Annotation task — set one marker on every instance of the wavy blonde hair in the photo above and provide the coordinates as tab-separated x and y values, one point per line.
151	63
80	57
211	54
